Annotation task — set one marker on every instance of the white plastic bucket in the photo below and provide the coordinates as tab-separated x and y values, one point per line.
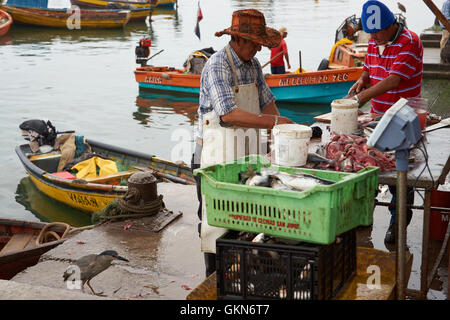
291	143
344	116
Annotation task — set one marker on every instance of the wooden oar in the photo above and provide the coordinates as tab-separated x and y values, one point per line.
155	54
265	64
163	175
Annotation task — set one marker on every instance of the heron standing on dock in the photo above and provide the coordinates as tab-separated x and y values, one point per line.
90	266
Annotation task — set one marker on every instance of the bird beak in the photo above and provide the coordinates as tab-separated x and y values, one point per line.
121	258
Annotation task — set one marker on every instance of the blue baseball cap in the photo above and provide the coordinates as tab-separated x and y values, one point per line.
376	16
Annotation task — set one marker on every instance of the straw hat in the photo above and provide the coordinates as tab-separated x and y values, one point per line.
250	24
282	30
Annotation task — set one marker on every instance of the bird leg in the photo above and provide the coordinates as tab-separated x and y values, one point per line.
97	294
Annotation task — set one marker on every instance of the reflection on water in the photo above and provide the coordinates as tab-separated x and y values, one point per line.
22	34
43	36
156	103
165	104
47	209
302	113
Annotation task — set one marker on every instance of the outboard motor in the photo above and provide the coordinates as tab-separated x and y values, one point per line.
39	133
143	51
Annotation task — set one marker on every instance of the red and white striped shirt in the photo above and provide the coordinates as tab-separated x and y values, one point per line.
404	58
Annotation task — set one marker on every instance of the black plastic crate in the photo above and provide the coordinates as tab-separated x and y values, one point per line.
306	271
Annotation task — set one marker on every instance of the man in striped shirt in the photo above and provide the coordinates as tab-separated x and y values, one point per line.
393	64
392	70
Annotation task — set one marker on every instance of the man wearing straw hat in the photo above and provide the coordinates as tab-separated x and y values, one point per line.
235	102
278	54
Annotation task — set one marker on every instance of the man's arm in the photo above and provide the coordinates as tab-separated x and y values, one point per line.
241	118
381	87
271	108
286	54
287	60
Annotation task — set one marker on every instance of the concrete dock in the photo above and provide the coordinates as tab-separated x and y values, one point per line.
436	75
163	265
432	66
168	264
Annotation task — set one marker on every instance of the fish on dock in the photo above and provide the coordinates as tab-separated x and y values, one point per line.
300	183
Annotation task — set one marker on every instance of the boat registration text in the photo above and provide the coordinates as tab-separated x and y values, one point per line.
313	79
83	200
152	79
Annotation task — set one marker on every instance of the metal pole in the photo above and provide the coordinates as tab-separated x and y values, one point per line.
437	13
401	234
300	61
425	243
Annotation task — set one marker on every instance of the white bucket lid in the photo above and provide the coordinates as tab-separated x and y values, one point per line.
344	104
293	130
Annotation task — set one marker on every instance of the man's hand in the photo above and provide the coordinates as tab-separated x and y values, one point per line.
357	87
361	83
284	120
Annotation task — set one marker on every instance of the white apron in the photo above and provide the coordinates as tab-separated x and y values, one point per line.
222	144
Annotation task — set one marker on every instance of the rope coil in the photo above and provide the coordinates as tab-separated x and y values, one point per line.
120	209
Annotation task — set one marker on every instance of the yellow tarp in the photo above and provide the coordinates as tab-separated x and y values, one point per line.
342	41
298	70
88	168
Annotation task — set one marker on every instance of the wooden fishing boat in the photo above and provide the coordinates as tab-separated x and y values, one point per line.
140	14
45	208
103	4
66	18
5	22
351	42
138	10
23	242
93	194
320	87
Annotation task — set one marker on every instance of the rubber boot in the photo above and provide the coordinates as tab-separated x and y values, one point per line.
210	263
390	234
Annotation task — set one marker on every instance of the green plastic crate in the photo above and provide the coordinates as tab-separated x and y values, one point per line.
316	215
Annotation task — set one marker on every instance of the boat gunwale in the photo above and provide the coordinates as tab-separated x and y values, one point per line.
88	187
144	4
36	226
64	10
63	183
12	256
179	75
57	18
7	24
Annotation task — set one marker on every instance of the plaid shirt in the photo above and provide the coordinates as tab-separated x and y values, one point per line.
216	84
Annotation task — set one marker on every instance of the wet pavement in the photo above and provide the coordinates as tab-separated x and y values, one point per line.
373	237
163	265
168	264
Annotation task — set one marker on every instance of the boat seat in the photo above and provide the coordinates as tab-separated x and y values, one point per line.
111	178
47	161
17	243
